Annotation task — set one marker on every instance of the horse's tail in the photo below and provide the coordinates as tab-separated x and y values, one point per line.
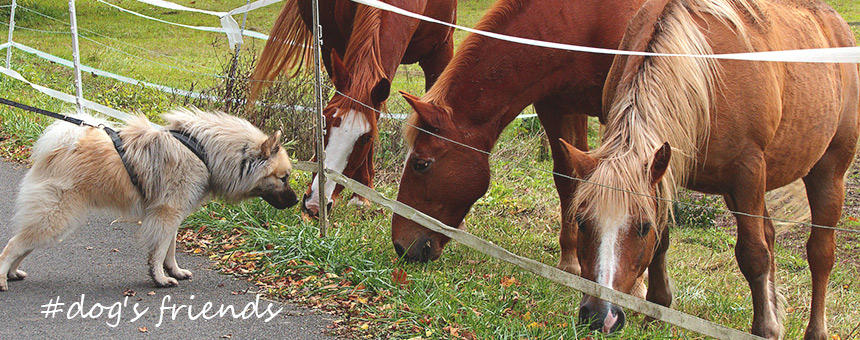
287	49
788	203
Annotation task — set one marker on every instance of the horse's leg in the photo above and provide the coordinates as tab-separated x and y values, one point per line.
752	251
435	62
558	123
825	190
659	289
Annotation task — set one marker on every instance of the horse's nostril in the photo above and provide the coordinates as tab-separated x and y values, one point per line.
426	251
399	249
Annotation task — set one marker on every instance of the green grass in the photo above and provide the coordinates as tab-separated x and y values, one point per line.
353	269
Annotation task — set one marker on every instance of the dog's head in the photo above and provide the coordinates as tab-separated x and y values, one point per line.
274	185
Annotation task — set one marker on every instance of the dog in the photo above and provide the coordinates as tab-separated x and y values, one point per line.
155	175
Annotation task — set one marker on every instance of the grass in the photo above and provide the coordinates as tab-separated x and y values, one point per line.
354	271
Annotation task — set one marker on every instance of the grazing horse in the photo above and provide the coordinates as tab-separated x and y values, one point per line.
374	43
487	84
734	128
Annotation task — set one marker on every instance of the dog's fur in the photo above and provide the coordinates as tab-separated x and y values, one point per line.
77	169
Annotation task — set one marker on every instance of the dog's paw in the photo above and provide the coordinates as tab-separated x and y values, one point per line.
181	274
3	286
16	275
166	282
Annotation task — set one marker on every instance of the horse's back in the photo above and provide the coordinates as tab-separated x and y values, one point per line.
776	103
787	113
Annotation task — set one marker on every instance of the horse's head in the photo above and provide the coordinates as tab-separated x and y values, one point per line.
350	128
619	230
440	178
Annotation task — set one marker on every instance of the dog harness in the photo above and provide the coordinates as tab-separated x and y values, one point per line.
183	137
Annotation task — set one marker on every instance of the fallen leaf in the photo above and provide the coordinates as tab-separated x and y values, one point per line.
142	329
151	293
399	277
508	281
128	292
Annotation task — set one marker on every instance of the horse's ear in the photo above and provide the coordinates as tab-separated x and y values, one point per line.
340	75
431	114
583	164
380	92
271	145
660	163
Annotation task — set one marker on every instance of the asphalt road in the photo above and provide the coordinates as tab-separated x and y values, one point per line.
101	262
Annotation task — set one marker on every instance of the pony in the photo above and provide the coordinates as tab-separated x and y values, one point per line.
373	43
719	127
487	84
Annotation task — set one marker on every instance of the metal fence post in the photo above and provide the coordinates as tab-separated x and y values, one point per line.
79	91
323	204
11	29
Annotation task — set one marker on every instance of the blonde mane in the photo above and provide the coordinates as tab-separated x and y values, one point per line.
668	99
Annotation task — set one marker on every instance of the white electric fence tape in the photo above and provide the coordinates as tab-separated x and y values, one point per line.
229	25
247	33
110	112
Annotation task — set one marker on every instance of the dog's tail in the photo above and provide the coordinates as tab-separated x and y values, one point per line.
60	135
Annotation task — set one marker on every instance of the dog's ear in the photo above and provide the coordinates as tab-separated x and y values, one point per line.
271	145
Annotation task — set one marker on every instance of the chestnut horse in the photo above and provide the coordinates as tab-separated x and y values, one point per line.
373	43
733	127
487	84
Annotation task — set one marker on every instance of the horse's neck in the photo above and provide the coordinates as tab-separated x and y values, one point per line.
491	81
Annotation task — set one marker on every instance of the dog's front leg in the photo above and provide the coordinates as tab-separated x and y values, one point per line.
159	229
171	265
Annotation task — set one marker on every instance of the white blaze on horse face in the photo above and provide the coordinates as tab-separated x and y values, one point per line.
610	227
341	142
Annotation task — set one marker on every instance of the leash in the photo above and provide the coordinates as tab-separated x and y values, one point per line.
183	137
113	134
54	115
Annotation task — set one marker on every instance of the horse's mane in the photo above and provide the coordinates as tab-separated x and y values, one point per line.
363	58
658	100
467	53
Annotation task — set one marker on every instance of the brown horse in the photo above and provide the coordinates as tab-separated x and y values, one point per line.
483	89
733	127
373	43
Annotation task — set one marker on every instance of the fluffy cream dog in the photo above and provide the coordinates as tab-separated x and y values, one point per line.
76	170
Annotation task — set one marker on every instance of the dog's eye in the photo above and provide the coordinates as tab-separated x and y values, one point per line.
284	179
644	228
421	165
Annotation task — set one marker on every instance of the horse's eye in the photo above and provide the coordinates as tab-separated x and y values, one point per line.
644	228
421	165
580	222
364	139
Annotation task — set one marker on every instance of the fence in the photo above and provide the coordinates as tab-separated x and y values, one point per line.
235	33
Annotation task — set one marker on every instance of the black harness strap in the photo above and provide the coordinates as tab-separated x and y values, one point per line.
120	149
192	144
